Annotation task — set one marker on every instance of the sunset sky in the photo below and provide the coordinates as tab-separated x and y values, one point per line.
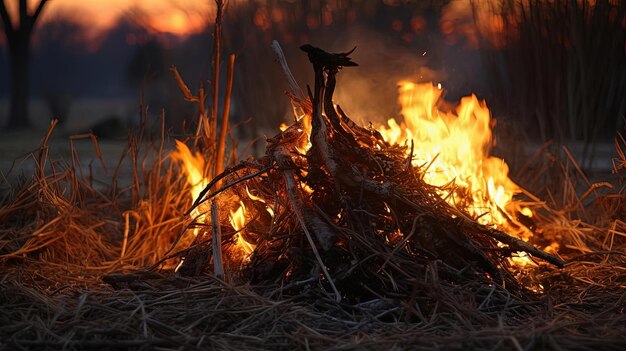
172	16
181	17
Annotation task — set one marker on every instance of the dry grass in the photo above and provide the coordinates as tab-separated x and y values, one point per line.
203	313
60	234
561	69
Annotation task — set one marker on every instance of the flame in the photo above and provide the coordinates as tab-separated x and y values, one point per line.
450	147
260	199
194	166
454	147
237	219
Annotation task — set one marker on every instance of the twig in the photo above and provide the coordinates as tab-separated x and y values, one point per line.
221	145
126	230
281	154
290	186
217	34
216	241
294	88
202	198
182	86
520	245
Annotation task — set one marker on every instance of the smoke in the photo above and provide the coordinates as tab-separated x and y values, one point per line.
369	93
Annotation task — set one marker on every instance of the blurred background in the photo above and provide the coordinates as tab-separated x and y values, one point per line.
548	70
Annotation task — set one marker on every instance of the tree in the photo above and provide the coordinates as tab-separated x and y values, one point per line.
18	32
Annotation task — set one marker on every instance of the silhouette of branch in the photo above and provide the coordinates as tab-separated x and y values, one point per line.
23	14
6	20
26	21
35	15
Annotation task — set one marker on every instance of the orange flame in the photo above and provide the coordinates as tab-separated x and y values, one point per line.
454	149
238	221
454	146
260	199
194	166
451	147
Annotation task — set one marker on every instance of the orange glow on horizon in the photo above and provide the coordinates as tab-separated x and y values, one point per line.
179	17
178	22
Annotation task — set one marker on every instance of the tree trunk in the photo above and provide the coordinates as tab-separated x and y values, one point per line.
19	65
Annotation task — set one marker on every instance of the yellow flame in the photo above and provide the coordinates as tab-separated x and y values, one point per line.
455	147
260	199
194	166
238	221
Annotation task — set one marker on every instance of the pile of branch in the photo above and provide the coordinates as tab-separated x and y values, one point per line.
351	215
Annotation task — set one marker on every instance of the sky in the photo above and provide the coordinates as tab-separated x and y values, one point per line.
98	16
184	17
71	58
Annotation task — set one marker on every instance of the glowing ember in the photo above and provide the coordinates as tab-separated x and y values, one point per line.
454	148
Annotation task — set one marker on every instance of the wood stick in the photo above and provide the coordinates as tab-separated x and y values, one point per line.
294	88
217	34
520	245
216	241
216	237
221	145
513	242
182	85
290	186
281	154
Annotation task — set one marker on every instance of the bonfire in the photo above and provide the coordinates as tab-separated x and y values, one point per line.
339	206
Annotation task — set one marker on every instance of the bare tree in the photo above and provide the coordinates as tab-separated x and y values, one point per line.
18	32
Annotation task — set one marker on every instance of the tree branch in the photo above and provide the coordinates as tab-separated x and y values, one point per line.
6	20
33	18
35	15
23	13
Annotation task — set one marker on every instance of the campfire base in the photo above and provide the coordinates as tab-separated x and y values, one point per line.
349	213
